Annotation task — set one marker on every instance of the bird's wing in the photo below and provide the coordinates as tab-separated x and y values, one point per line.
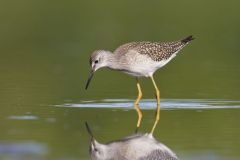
123	49
157	51
158	155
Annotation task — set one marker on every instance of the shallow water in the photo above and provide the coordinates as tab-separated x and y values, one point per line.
44	64
194	129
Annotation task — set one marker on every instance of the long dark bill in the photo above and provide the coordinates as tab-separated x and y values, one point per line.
89	79
89	130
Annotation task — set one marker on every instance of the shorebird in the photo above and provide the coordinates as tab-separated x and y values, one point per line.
134	147
139	59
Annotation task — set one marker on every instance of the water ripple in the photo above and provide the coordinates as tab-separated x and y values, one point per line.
151	104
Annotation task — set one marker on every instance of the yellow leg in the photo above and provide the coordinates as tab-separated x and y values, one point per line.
136	106
158	105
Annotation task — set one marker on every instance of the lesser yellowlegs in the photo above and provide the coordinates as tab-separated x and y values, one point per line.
139	59
134	147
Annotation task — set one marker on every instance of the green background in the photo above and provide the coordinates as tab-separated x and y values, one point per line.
44	61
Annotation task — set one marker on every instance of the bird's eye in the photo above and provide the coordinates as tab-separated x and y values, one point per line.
96	61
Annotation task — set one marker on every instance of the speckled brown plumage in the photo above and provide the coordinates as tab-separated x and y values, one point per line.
156	50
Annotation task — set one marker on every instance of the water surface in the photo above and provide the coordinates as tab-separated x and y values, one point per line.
44	64
194	129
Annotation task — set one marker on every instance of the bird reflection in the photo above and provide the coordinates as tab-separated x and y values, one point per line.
134	147
139	112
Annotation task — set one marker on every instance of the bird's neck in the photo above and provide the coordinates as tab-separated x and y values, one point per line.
112	61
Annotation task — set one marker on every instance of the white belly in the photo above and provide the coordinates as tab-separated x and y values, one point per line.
140	65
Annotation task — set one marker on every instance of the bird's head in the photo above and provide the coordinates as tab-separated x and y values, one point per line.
97	150
98	59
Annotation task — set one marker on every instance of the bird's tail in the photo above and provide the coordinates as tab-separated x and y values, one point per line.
187	39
